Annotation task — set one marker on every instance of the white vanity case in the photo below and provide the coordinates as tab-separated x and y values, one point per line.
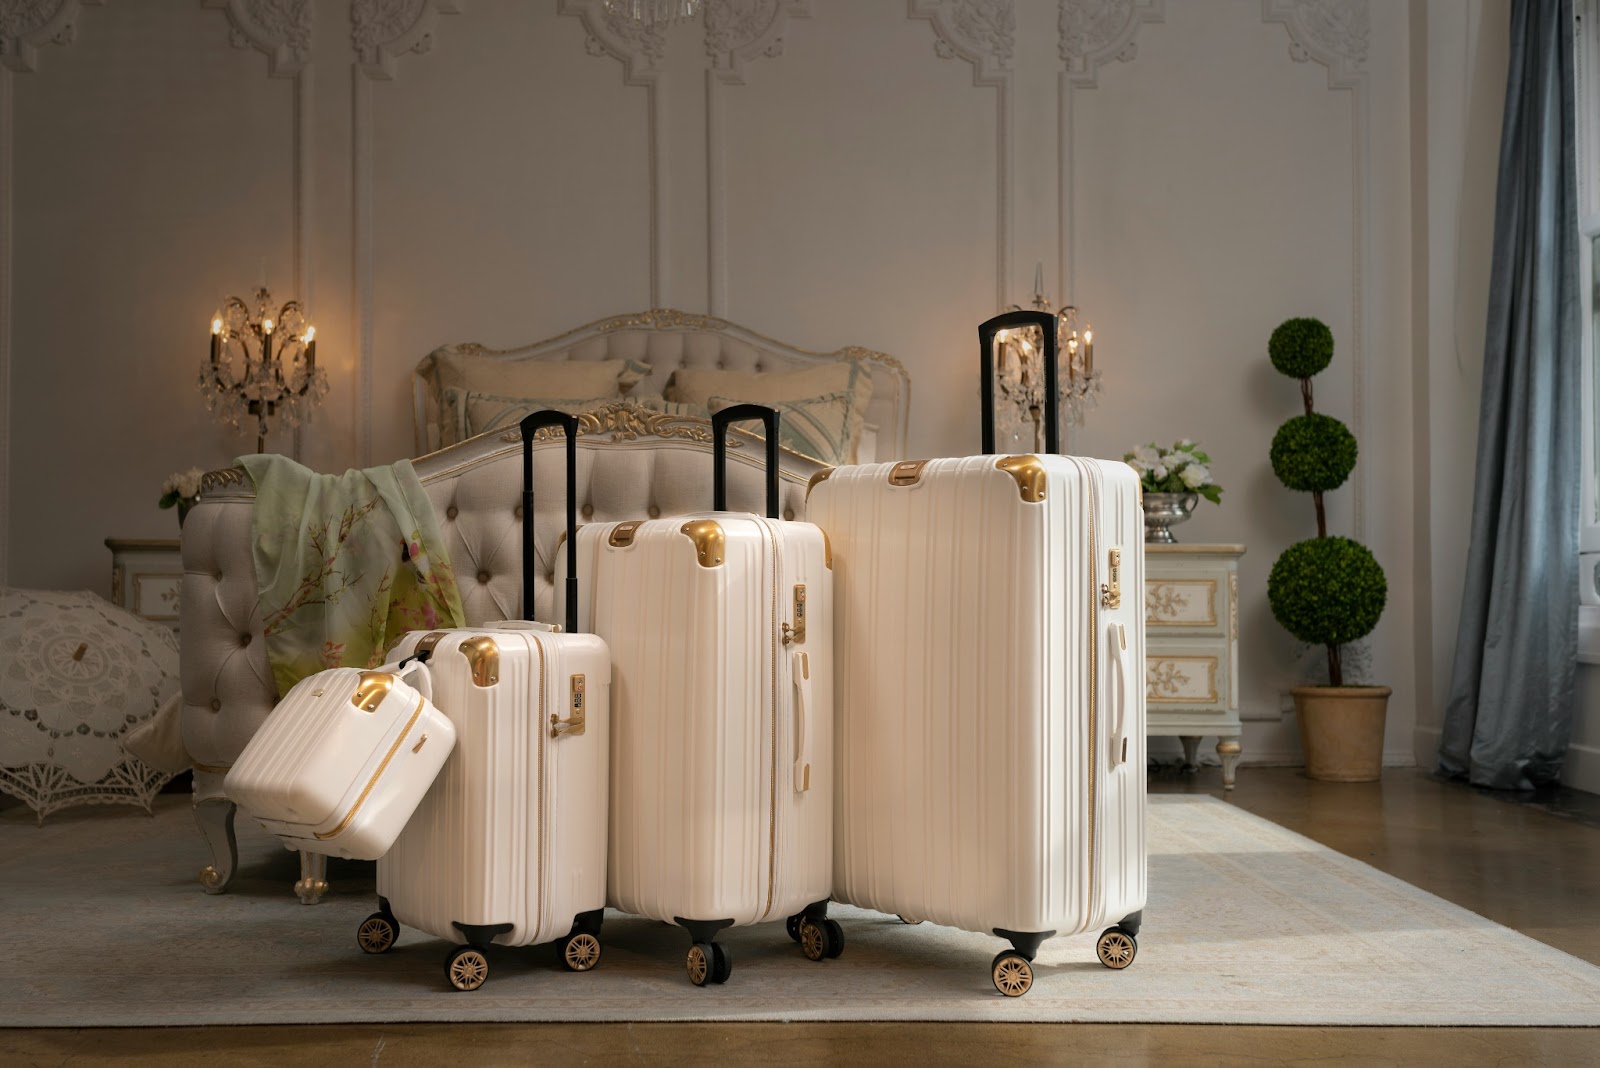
343	760
991	735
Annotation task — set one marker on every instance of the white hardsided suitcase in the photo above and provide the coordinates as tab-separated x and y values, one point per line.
991	708
343	760
720	627
509	845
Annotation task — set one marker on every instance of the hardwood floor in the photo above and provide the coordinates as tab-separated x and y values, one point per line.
1533	867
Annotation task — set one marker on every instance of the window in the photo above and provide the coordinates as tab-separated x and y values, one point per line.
1587	42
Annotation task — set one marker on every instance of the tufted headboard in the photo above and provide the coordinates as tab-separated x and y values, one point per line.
632	463
667	340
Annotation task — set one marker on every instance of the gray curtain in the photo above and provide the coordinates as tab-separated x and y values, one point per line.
1509	713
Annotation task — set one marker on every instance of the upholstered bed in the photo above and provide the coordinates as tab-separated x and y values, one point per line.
634	462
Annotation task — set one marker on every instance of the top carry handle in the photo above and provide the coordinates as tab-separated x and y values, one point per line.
735	413
530	426
1013	320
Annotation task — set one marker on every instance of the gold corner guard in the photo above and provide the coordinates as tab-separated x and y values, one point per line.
483	655
816	480
371	690
1029	474
709	541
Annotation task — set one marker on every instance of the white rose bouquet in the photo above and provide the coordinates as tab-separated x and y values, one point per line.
182	488
1184	468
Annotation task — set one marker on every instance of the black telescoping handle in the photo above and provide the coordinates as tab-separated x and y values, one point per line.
736	413
531	425
1013	320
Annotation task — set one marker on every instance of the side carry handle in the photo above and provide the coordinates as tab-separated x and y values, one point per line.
531	425
1117	639
1016	320
736	413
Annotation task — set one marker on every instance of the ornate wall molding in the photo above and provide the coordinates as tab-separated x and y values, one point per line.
639	48
1335	33
279	29
741	30
984	33
27	24
1096	32
381	31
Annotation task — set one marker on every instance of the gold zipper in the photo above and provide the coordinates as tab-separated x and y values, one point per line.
1094	678
544	808
348	816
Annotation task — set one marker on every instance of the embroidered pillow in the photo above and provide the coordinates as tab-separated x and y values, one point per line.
465	413
467	372
817	427
845	386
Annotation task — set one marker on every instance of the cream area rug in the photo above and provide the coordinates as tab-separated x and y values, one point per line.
1247	923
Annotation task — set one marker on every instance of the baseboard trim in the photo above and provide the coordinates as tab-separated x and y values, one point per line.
1285	758
1425	742
1581	770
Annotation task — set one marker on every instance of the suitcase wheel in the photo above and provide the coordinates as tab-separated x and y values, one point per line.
822	940
1116	948
911	920
580	952
377	933
1012	974
709	962
466	968
792	925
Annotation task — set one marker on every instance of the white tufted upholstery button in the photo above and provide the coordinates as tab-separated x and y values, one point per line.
788	513
244	640
216	704
653	512
516	513
483	576
588	511
450	512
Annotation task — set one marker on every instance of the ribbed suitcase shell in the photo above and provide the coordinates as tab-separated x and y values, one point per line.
981	780
514	828
339	765
712	816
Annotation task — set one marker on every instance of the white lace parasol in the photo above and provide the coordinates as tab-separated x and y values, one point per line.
76	674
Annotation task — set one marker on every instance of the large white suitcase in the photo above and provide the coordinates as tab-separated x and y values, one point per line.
343	760
720	628
990	745
509	845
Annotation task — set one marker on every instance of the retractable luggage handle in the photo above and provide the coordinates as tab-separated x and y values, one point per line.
531	425
1013	320
736	413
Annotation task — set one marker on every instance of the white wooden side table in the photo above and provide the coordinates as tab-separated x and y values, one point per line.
145	577
1191	614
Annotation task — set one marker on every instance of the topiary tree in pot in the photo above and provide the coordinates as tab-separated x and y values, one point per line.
1325	590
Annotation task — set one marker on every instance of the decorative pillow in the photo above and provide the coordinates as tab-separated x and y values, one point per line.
843	386
817	427
657	403
465	413
489	375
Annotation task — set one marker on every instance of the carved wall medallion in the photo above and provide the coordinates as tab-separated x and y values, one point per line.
381	31
1335	33
280	29
982	32
27	24
737	30
1096	32
640	48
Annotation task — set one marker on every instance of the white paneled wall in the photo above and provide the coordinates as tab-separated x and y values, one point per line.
876	172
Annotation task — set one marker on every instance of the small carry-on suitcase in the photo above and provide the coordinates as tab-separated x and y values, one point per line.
990	650
339	765
509	845
720	626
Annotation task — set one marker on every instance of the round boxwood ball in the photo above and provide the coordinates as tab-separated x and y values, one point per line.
1301	348
1327	591
1313	453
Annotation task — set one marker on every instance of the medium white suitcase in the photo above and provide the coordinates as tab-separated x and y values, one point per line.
720	627
990	744
509	845
343	760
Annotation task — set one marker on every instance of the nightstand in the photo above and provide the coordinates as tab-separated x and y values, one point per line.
1191	615
145	577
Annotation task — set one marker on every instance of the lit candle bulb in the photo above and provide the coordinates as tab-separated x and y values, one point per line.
1088	350
216	337
311	347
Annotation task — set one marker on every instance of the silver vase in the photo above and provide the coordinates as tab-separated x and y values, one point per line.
1162	511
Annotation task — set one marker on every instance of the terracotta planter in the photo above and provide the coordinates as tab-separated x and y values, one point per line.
1341	730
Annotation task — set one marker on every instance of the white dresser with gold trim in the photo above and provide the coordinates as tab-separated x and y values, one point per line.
1191	612
146	574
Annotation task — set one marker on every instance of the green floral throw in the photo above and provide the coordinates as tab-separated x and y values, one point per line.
345	564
